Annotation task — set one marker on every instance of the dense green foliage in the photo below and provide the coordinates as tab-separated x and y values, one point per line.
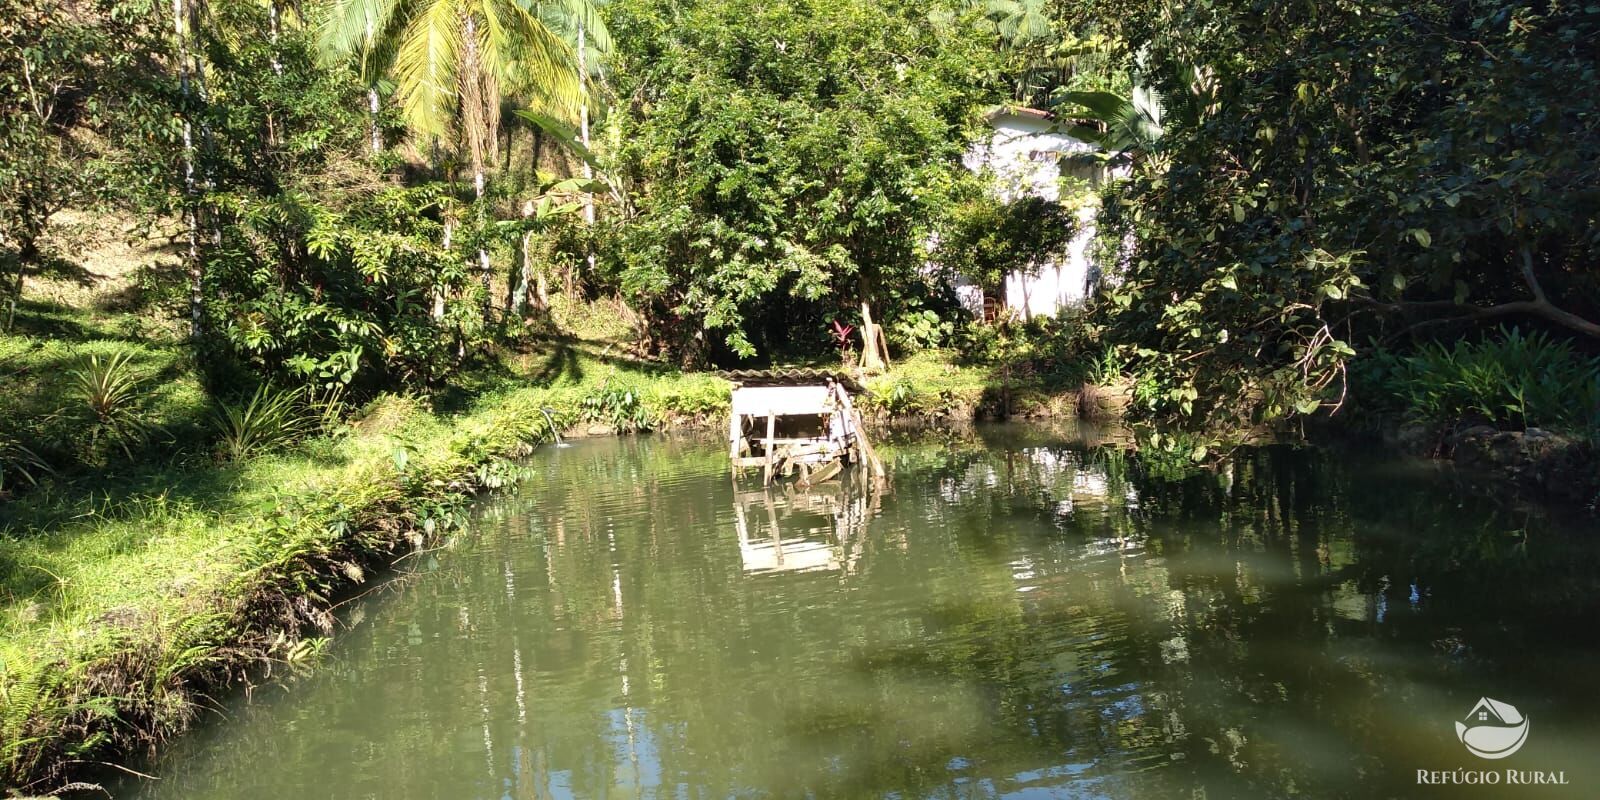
786	162
1510	380
1331	170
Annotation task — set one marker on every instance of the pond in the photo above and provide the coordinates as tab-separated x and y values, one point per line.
1020	613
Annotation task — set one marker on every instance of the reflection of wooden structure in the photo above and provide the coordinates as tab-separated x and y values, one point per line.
819	530
798	423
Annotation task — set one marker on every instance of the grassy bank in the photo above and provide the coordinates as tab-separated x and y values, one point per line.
131	589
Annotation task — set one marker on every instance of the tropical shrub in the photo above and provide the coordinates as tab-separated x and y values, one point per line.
104	397
1510	379
1330	171
788	162
362	295
269	419
621	407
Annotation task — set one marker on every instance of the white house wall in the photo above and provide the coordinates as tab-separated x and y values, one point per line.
1025	158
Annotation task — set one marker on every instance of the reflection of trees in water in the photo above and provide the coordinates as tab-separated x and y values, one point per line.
1023	613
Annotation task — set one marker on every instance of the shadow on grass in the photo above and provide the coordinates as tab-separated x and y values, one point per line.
37	521
545	362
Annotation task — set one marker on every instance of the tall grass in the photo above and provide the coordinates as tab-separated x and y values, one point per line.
1511	379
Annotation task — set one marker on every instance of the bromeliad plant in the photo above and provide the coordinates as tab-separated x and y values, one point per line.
19	464
270	419
841	341
105	393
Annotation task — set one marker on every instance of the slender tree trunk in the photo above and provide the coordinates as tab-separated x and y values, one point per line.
27	253
485	269
16	293
372	97
476	145
524	284
272	36
438	291
583	133
583	121
372	110
277	68
190	217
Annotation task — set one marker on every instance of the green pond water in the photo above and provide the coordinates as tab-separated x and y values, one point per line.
1019	614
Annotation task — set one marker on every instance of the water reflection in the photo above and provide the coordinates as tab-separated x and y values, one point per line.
1020	614
786	528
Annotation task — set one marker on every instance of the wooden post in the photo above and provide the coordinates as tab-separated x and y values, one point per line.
873	462
772	433
871	350
735	433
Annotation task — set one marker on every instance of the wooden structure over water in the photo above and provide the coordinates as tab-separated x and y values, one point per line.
798	423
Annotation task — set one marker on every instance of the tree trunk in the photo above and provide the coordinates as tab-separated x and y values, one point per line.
583	133
190	217
272	36
874	356
583	121
372	95
476	145
372	110
485	270
519	292
438	291
16	294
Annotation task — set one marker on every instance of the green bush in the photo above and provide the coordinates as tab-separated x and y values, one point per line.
1511	379
621	407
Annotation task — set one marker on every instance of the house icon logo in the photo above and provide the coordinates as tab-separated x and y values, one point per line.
1493	729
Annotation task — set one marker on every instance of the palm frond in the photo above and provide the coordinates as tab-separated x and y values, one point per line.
1101	106
427	65
563	16
542	66
563	134
346	27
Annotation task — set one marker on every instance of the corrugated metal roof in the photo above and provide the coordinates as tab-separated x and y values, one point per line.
790	377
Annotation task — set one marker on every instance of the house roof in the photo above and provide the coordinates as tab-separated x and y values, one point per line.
790	377
1017	111
1505	712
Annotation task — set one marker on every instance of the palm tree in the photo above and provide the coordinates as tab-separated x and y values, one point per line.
1128	129
1124	128
452	61
1020	22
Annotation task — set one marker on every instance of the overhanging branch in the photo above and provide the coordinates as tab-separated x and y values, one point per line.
1540	306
